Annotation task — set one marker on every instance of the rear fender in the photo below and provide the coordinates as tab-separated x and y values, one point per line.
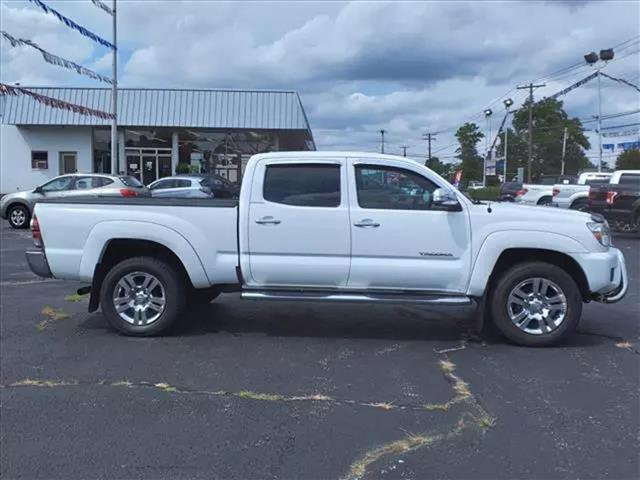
104	232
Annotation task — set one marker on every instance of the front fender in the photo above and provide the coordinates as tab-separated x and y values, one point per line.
495	243
103	232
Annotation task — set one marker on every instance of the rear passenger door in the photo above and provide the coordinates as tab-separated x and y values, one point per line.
299	229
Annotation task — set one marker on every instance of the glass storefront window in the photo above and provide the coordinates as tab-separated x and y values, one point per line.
102	150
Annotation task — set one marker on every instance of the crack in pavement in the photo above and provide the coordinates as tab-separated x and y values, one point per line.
477	418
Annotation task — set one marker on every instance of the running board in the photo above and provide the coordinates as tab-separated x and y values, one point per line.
319	296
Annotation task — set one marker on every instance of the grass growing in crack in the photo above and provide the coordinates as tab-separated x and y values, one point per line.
273	397
122	383
75	298
382	405
625	344
53	315
446	366
165	387
486	421
28	382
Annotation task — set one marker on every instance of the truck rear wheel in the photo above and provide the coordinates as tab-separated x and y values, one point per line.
582	205
536	304
143	296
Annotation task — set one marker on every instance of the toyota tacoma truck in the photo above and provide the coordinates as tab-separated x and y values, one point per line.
332	227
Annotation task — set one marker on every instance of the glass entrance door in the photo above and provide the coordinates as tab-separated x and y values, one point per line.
149	166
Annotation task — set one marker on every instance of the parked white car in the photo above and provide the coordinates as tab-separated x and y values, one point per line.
332	227
533	194
576	196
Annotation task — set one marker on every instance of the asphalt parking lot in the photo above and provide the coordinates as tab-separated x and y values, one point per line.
297	391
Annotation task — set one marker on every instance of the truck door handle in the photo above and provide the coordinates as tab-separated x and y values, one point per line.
367	222
267	221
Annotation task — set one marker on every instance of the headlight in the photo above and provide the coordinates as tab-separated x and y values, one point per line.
600	232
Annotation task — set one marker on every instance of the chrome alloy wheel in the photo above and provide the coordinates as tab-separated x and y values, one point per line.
139	298
537	306
18	217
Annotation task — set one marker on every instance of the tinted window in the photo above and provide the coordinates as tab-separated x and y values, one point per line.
58	184
630	179
84	183
130	181
303	185
162	184
392	188
181	183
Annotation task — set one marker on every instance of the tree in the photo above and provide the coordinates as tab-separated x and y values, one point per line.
549	122
437	166
468	136
628	160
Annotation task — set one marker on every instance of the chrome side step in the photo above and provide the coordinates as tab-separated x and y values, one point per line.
372	297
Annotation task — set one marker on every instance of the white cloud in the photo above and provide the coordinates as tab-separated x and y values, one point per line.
361	66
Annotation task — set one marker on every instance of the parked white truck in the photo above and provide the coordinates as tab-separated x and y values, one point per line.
336	227
576	195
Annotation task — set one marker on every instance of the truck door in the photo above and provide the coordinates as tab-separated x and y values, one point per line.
399	240
298	224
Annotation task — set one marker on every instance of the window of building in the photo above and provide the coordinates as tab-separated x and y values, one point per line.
391	188
305	185
40	160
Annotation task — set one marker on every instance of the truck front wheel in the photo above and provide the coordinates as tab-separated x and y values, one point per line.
536	304
142	296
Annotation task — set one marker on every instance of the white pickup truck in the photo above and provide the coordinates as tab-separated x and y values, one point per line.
336	227
576	195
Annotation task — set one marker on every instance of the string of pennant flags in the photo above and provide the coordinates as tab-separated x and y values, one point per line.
101	5
54	102
62	62
71	24
54	59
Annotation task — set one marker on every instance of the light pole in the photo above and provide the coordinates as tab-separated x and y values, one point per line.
114	98
507	103
591	59
382	132
487	115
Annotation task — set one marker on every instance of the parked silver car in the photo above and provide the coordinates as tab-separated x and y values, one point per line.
17	207
179	187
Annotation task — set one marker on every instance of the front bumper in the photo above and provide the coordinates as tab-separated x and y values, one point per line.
606	274
38	264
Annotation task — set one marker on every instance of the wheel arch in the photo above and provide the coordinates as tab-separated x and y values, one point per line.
513	256
119	249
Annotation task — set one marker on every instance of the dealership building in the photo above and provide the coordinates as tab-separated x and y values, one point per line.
213	131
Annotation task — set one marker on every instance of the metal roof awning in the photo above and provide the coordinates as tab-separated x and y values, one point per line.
211	108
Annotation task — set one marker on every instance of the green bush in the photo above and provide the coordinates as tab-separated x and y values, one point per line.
182	168
486	193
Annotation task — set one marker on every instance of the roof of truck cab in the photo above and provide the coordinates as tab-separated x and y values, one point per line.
330	154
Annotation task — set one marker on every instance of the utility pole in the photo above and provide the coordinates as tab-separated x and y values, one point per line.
530	87
404	150
115	167
382	132
429	137
564	150
599	124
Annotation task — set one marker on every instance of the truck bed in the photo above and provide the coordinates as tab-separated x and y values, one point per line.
202	232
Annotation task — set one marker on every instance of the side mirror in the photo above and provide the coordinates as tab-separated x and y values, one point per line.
38	189
446	200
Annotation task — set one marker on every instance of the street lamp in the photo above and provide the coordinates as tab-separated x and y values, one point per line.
487	114
507	103
592	58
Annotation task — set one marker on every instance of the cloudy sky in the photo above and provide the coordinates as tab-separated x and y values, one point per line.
359	66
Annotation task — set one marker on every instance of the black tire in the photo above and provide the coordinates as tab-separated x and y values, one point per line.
581	205
171	280
513	277
19	216
545	201
202	296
